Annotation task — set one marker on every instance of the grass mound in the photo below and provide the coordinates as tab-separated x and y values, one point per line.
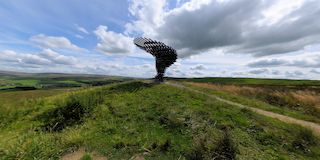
71	111
64	116
130	87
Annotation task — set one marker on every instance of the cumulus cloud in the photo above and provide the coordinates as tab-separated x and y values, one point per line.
26	58
8	56
112	42
267	63
33	59
46	58
198	67
306	60
58	58
259	71
275	72
52	42
197	74
315	71
237	26
149	15
294	74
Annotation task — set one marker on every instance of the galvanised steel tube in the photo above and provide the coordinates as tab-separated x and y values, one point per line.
165	55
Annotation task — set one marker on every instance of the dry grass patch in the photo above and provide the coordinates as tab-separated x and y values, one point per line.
302	100
307	97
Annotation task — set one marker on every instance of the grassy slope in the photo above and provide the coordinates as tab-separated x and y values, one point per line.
120	121
253	102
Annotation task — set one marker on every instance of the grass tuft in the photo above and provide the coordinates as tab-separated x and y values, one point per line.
86	157
226	148
304	140
71	110
205	148
70	114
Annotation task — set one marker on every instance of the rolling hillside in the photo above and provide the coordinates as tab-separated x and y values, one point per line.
35	81
141	120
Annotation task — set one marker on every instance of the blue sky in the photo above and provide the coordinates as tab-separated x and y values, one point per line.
236	38
23	19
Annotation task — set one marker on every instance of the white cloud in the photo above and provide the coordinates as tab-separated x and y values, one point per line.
46	58
198	67
279	10
112	42
33	59
295	74
52	42
79	36
305	60
202	25
83	30
58	58
267	62
259	71
25	58
315	71
8	56
149	14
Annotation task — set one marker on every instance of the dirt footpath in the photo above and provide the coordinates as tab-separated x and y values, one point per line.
310	125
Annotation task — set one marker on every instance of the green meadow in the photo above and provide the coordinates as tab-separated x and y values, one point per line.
120	118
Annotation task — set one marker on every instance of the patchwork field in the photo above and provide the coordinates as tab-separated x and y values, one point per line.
28	81
140	120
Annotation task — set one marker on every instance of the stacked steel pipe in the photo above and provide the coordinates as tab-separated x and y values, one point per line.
165	55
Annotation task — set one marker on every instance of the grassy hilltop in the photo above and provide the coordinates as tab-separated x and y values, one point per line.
140	120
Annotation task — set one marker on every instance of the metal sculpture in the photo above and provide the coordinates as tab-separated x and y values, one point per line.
165	55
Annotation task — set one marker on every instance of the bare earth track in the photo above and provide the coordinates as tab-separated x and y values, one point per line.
310	125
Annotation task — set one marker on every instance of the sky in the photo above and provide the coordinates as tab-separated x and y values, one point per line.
213	38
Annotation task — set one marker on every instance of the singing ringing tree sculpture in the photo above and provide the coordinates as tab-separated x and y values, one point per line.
165	55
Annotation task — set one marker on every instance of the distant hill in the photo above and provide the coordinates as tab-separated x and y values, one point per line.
19	80
12	73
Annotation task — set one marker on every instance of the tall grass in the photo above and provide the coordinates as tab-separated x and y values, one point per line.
304	101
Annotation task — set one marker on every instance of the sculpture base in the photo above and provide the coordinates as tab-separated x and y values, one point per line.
159	78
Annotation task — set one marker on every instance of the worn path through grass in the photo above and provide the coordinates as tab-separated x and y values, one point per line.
310	125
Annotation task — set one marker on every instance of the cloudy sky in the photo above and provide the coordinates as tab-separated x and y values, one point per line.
216	38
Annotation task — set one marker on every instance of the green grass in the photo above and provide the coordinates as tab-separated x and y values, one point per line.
25	82
86	157
17	103
120	121
257	103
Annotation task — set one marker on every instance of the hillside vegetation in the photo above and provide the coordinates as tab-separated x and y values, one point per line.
139	119
15	81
